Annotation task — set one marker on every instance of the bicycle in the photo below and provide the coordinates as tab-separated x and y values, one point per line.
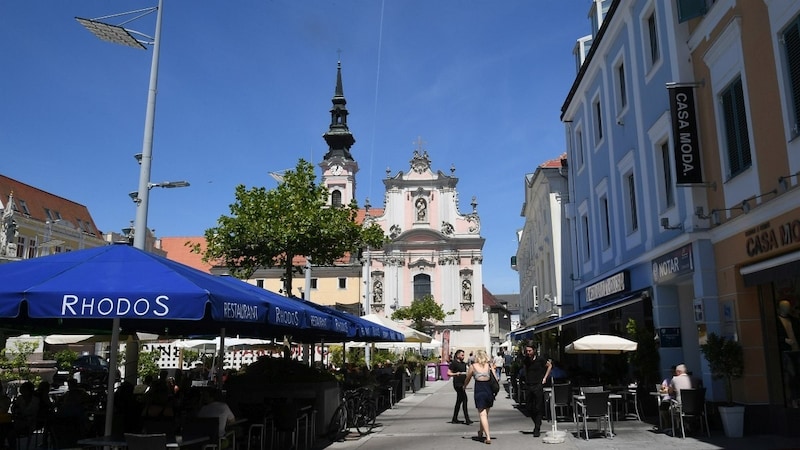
366	411
357	409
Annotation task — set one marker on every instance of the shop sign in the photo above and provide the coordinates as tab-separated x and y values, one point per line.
684	132
669	337
765	238
619	282
673	264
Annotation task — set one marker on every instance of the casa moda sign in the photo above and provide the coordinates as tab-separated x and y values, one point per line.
766	237
684	133
619	282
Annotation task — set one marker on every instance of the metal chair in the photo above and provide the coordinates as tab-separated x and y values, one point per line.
562	399
692	405
145	441
208	426
595	405
585	389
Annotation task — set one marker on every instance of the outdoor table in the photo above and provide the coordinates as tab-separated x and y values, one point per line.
118	442
657	396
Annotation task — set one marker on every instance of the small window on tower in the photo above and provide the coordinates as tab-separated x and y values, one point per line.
336	198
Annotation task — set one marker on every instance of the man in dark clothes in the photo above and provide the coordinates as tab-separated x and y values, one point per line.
537	369
458	372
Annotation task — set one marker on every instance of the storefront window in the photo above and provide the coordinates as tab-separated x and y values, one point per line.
787	308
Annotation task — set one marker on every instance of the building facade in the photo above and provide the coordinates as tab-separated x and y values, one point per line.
682	128
37	223
545	245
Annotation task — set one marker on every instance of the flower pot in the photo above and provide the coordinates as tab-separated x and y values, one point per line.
732	420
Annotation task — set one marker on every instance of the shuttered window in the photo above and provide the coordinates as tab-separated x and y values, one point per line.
791	46
737	136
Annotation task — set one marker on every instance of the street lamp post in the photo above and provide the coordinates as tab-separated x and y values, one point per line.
119	35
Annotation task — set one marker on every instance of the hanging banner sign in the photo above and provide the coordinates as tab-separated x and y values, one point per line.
684	133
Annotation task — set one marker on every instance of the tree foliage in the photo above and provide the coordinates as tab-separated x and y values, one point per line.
269	228
645	360
421	312
725	360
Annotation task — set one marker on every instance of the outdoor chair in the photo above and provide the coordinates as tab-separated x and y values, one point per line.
145	441
585	389
207	426
166	426
594	406
562	399
692	405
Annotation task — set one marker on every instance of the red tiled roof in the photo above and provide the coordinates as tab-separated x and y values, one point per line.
178	251
554	163
38	200
489	299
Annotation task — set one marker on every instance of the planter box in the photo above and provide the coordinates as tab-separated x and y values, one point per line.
732	420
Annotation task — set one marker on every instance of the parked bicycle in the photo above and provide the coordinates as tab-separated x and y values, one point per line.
357	409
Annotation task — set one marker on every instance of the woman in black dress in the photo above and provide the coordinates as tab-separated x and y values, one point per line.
482	370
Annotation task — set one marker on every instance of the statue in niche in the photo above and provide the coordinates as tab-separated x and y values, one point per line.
377	292
466	291
422	209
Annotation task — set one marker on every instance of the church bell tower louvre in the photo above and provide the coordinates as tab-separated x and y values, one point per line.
338	166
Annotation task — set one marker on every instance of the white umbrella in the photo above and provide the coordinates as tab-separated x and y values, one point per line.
410	334
601	344
56	339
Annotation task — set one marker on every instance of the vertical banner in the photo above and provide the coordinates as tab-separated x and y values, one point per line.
684	132
446	346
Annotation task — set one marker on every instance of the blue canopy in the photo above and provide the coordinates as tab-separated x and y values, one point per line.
362	329
146	292
290	311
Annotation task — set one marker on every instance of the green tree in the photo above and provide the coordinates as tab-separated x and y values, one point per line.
421	312
148	363
269	228
645	360
14	363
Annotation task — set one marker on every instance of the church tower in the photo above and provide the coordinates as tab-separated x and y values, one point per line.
338	167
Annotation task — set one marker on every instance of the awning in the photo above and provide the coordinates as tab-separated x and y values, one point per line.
781	267
594	310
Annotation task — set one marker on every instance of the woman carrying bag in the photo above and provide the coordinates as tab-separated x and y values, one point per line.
483	372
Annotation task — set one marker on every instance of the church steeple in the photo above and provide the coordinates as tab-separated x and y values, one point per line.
338	137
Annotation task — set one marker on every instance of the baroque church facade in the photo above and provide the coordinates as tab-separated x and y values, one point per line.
433	248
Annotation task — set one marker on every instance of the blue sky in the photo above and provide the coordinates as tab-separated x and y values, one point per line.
245	88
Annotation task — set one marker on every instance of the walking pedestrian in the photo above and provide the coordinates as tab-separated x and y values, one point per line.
481	370
537	369
458	372
499	361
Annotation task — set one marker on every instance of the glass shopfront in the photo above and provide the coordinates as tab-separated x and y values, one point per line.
785	302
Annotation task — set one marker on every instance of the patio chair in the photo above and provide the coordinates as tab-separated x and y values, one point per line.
585	389
692	405
562	398
207	426
595	405
145	441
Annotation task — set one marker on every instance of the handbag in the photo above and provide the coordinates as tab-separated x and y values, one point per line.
494	383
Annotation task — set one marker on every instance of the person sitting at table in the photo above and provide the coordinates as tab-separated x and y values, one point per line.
158	401
665	397
6	422
681	380
25	410
127	408
215	406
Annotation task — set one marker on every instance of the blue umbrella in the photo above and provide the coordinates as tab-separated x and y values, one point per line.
363	329
285	312
88	288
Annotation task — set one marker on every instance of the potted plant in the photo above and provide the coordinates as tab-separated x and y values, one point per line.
726	361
